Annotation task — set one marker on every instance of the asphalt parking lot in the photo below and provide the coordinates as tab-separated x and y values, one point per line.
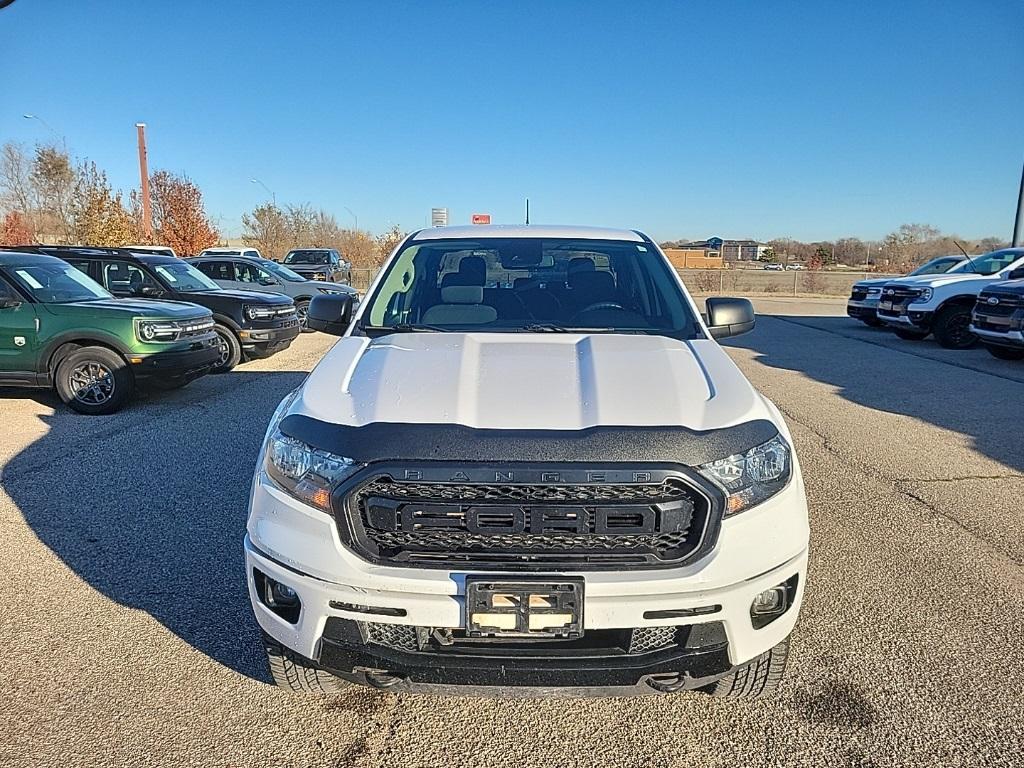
127	637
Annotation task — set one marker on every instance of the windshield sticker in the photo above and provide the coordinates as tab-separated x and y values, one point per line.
32	282
166	274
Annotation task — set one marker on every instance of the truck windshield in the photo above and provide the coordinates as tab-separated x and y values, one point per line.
989	263
184	277
530	284
937	266
283	272
57	283
306	257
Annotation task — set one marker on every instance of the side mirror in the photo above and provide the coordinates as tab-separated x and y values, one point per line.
267	281
729	317
330	313
9	302
1016	274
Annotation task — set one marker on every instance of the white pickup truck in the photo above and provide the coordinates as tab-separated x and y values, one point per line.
527	465
941	304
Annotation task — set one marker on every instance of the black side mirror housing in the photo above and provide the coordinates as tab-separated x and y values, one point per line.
330	313
1017	274
729	317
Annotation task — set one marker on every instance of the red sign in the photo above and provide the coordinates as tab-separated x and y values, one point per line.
481	218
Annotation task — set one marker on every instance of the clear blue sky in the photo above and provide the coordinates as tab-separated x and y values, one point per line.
686	119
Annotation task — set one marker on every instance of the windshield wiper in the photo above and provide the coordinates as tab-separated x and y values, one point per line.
552	328
407	328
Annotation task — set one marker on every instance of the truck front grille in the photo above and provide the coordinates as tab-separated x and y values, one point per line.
524	525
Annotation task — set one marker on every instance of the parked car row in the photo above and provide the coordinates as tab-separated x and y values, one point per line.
959	300
94	322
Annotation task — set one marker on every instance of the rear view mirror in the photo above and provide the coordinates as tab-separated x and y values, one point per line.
330	313
729	317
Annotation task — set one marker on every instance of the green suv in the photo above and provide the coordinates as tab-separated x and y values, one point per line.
59	328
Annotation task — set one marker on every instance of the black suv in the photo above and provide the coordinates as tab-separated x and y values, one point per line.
319	264
998	317
248	324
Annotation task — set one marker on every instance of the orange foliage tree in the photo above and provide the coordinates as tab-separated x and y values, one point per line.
179	219
15	230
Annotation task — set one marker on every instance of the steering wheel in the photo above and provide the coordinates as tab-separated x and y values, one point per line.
601	305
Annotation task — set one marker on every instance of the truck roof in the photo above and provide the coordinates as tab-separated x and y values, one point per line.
24	259
482	231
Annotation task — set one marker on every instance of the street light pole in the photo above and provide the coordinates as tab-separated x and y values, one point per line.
354	217
147	211
270	192
47	126
1018	224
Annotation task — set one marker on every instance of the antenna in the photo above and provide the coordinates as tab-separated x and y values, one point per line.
527	211
967	255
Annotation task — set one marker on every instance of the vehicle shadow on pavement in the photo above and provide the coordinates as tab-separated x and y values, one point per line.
148	506
968	391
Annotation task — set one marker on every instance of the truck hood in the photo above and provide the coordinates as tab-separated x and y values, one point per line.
968	280
876	281
175	310
250	297
529	381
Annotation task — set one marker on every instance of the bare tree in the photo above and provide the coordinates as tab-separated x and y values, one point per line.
53	179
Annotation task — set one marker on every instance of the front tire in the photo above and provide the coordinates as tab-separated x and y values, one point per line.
952	329
1005	353
755	679
908	335
302	310
297	674
95	381
229	347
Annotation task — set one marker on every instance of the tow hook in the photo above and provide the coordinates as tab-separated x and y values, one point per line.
667	683
379	678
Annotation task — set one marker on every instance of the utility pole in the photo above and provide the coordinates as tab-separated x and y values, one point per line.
1018	224
527	211
147	211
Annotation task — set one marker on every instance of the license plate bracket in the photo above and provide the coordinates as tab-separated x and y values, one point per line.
524	608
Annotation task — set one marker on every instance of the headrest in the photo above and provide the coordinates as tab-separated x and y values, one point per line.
462	294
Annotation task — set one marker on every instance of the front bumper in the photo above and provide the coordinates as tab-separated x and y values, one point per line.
862	310
263	342
298	546
1014	339
194	361
908	318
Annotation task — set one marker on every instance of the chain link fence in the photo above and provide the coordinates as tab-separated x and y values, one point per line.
788	283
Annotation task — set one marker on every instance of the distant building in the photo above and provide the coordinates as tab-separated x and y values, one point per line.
694	258
732	250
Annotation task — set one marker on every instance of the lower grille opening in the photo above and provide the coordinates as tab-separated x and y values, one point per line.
594	643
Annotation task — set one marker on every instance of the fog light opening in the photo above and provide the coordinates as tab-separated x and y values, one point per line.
772	603
280	598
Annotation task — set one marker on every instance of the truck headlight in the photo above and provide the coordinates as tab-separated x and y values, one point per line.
924	295
750	478
309	474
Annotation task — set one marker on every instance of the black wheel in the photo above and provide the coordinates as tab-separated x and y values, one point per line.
298	674
908	335
94	380
302	310
1005	353
872	322
229	348
755	679
952	329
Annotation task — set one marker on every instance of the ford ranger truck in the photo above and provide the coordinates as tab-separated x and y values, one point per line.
865	294
941	304
998	317
527	467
